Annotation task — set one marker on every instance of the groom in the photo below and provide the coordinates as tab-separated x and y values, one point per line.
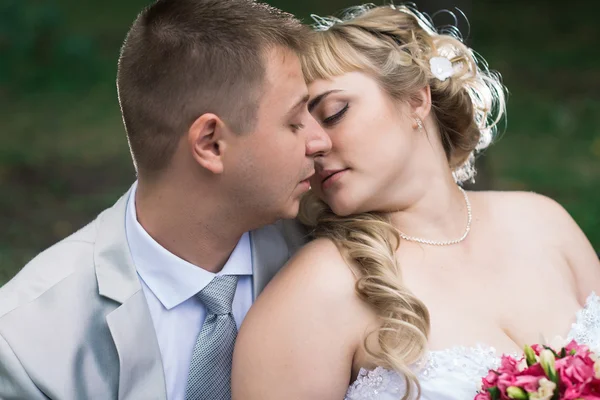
145	301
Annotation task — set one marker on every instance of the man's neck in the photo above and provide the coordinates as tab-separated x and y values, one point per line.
196	232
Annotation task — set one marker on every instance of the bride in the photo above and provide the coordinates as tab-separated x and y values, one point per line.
412	286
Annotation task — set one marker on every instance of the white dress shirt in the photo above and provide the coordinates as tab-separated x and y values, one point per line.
169	284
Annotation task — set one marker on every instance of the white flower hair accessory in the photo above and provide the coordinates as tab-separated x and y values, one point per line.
441	68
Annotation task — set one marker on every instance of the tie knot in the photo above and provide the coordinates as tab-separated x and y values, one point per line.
217	296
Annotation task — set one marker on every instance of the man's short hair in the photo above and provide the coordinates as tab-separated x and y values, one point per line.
184	58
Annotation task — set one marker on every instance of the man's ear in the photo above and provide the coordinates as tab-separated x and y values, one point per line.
206	141
420	103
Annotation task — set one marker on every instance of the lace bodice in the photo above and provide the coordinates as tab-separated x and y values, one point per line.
455	373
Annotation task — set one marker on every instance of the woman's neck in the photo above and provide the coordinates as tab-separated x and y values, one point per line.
437	211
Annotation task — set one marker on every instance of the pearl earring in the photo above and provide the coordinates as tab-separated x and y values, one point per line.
419	124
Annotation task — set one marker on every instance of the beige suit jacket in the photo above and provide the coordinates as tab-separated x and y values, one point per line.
74	322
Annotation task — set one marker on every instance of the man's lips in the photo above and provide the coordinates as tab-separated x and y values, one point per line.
308	176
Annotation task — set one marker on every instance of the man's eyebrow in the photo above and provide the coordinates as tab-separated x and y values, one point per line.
300	103
315	102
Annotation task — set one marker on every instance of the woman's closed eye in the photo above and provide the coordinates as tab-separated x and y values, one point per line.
335	118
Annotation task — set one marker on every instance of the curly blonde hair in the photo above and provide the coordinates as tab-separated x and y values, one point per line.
393	45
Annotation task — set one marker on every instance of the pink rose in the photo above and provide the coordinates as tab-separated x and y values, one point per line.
562	363
582	392
505	381
490	380
483	396
577	349
572	393
588	390
508	365
593	386
577	371
528	382
534	370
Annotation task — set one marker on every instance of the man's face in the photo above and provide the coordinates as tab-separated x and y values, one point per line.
269	167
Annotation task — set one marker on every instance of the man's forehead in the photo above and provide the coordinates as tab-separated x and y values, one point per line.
283	64
284	81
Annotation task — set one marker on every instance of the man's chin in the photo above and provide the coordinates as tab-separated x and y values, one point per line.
292	211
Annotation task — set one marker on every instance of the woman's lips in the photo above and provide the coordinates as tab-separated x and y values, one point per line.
331	177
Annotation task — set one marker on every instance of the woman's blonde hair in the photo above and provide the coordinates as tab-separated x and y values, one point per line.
394	45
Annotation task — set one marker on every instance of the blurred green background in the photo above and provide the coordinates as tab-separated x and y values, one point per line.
64	156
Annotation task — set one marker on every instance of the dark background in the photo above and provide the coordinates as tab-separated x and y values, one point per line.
64	156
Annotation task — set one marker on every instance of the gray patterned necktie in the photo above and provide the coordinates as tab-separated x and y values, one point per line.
210	369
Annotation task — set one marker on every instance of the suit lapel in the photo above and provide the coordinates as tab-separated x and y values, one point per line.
141	373
269	253
140	369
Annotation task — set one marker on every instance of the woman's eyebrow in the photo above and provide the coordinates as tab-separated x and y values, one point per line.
315	102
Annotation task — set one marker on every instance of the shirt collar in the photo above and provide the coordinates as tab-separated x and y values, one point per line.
172	279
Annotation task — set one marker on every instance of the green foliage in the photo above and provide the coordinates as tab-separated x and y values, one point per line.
39	52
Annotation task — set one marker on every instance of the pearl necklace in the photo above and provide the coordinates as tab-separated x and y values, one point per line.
447	242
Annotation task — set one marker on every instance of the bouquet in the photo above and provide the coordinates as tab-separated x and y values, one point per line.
543	373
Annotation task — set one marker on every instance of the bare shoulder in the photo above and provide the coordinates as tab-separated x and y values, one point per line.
317	274
519	201
528	211
323	258
308	322
538	220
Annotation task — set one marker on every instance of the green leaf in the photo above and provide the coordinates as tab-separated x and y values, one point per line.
517	393
494	393
529	356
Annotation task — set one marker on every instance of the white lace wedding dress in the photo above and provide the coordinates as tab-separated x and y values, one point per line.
455	373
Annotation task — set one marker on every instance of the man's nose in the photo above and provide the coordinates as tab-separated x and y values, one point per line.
317	140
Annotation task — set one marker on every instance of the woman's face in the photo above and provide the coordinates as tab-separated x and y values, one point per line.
372	136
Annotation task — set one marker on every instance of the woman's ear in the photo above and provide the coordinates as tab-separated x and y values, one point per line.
206	141
420	103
